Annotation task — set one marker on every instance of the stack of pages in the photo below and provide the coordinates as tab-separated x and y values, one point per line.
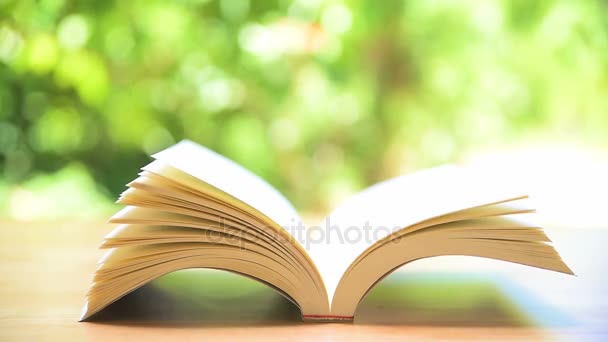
193	208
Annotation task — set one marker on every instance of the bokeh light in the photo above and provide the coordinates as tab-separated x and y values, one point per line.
320	97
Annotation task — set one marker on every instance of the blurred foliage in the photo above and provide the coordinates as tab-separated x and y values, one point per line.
321	98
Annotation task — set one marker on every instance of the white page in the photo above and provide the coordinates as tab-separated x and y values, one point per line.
392	205
231	178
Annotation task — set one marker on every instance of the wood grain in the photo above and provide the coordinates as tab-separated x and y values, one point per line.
46	269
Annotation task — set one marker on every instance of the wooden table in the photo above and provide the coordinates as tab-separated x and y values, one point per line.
46	269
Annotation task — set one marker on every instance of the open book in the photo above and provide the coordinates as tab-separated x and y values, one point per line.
192	208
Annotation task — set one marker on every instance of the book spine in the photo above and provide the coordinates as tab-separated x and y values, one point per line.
327	319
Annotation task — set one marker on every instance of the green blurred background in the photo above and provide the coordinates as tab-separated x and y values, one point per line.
320	98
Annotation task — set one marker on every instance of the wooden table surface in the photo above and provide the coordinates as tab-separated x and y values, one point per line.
46	269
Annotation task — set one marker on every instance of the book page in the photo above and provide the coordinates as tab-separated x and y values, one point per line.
231	178
392	205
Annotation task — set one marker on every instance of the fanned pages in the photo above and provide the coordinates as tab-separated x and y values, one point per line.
192	208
